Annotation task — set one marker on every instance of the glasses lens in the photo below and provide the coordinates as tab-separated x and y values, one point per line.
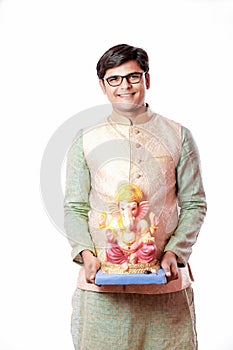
114	80
134	78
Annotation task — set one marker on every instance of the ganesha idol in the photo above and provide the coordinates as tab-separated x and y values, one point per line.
130	237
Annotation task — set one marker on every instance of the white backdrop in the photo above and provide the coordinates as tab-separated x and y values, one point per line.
49	50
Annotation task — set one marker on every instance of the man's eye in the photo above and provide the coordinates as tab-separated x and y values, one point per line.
134	76
113	79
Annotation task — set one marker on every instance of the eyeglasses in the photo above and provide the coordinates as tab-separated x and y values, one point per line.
132	78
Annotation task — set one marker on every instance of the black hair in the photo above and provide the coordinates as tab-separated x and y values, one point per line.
120	54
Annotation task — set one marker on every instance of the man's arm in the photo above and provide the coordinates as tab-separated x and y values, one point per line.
191	200
76	203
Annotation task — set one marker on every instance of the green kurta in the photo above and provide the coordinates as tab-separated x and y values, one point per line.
161	157
119	321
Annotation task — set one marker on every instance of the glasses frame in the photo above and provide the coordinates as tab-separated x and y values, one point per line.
124	76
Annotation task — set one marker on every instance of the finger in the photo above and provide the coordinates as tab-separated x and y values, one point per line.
90	278
174	271
166	269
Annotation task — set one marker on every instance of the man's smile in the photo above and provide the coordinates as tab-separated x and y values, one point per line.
126	94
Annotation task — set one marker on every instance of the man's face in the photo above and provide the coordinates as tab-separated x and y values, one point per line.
126	97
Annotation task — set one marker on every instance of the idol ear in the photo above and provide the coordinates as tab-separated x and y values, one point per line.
143	208
113	208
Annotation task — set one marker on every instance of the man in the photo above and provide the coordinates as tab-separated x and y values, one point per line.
159	157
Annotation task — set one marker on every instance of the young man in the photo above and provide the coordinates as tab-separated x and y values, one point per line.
158	158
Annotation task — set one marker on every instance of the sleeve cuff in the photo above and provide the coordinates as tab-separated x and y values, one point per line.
76	254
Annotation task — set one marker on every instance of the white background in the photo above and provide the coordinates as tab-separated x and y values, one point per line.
48	53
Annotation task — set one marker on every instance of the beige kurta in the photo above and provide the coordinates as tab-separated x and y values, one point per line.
154	153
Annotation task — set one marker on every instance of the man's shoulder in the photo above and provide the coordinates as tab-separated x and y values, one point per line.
166	125
95	126
166	121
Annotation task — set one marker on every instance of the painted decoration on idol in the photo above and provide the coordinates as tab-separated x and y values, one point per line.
130	237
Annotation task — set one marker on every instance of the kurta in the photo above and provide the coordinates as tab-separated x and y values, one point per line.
159	156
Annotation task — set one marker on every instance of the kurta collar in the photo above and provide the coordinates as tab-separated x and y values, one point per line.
139	119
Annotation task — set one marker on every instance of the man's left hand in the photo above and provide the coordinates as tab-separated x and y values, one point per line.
169	264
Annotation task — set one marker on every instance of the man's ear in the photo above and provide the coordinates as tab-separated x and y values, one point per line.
147	77
102	85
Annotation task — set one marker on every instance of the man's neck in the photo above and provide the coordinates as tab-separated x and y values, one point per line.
120	116
131	113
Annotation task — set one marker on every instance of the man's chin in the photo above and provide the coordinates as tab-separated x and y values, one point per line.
126	107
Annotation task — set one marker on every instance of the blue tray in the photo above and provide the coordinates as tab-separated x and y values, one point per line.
157	277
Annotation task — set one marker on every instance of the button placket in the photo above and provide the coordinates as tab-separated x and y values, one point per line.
136	148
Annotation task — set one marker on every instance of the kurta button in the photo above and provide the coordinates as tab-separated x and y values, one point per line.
136	131
138	145
138	176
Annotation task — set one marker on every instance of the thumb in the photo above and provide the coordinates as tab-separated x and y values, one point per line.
166	268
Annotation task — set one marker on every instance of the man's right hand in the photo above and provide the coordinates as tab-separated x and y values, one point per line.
91	265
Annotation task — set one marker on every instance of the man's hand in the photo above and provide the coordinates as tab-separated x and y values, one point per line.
91	265
169	264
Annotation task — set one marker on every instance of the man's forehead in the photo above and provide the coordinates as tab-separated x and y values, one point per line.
124	68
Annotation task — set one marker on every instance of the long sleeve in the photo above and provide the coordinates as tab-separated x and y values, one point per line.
191	200
76	203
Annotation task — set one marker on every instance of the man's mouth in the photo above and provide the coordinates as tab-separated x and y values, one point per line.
126	94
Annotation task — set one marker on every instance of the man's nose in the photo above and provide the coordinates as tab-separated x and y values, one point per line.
125	83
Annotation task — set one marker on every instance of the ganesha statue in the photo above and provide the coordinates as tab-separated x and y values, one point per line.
130	237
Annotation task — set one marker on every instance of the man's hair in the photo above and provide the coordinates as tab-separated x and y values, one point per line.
120	54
